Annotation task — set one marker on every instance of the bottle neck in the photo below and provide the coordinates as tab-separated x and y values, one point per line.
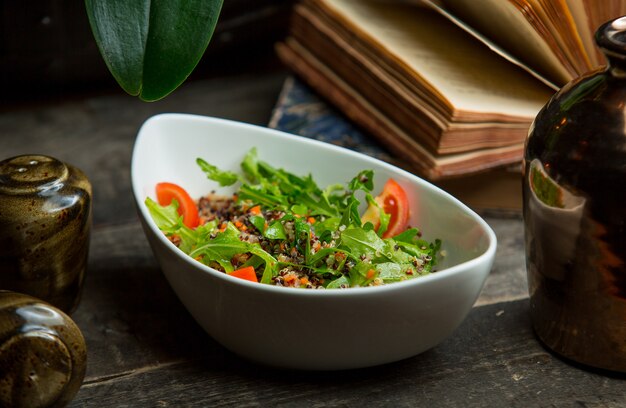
611	38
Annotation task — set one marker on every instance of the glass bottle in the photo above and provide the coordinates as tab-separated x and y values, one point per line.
574	189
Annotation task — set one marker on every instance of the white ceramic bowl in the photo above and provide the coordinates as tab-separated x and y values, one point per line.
310	329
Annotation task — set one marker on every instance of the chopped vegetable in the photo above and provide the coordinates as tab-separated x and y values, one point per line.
246	273
167	192
297	234
393	202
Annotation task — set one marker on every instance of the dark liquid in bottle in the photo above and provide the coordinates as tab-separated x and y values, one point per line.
575	220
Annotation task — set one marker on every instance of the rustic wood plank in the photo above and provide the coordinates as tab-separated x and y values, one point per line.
507	280
129	315
493	359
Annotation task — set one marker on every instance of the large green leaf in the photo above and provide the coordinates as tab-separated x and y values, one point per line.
151	46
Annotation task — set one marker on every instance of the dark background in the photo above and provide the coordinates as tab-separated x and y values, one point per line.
47	49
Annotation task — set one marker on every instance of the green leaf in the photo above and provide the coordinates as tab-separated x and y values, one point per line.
257	195
383	217
165	217
363	181
227	244
259	222
410	236
224	178
392	272
151	46
275	231
397	251
323	254
250	165
325	228
303	238
358	273
351	214
341	282
171	223
364	243
299	209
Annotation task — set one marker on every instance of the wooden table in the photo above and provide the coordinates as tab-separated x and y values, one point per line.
144	349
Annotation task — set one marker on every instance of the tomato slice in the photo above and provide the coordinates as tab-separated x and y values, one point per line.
166	192
393	201
246	273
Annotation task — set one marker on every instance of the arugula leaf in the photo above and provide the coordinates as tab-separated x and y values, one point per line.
393	272
410	236
171	223
361	243
363	181
303	238
222	248
358	273
383	217
258	195
351	216
319	206
224	178
259	223
325	228
275	231
419	250
255	261
250	166
165	217
226	245
271	187
299	209
341	282
323	253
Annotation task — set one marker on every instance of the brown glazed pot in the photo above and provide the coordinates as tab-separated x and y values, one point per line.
574	186
45	222
42	353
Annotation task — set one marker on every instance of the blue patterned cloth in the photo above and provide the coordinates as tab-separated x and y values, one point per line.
301	112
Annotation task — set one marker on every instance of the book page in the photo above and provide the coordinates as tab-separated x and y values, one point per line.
557	18
584	26
502	22
506	54
463	70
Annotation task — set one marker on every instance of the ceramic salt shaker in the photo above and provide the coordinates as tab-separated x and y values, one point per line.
42	353
575	213
45	222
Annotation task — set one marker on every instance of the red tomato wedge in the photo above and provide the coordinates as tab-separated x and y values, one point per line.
166	192
246	273
394	201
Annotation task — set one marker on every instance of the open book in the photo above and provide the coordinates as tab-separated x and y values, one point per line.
300	111
552	39
430	81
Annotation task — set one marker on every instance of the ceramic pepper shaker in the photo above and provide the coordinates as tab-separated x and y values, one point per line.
45	221
42	353
575	213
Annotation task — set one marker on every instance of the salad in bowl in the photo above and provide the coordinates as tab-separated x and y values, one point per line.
300	254
282	229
